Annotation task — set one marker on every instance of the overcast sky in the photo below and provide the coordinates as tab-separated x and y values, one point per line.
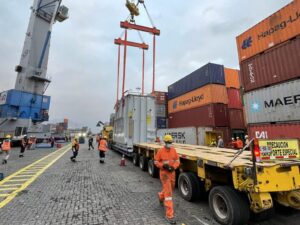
83	57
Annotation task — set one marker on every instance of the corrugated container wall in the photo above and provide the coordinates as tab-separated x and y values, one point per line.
276	65
208	74
236	119
234	98
273	131
277	28
212	93
232	78
278	103
213	115
184	135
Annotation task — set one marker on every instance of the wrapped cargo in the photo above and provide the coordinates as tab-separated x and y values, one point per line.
232	78
211	115
208	74
277	28
208	94
134	122
278	103
236	119
275	131
234	98
276	65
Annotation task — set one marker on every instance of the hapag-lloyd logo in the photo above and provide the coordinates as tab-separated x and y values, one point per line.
191	100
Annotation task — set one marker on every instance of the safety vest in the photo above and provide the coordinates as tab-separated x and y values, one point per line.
6	145
103	145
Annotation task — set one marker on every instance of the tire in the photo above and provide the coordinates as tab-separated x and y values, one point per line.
152	169
135	159
143	163
228	206
190	187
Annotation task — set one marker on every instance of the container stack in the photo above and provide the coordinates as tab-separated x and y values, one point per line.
269	55
161	109
201	100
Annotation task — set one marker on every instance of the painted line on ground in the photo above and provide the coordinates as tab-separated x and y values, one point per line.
200	221
43	164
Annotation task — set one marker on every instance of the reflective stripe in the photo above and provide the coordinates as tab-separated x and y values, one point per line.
155	162
168	199
170	161
102	158
166	161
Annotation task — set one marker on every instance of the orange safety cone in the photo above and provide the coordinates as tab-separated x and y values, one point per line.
122	163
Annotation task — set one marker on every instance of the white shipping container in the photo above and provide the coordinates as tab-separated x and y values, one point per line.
277	103
135	121
186	135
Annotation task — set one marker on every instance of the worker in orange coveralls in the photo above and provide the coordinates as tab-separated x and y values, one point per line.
239	143
167	160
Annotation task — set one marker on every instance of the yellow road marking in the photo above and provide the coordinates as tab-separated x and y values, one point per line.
10	185
50	159
3	195
8	189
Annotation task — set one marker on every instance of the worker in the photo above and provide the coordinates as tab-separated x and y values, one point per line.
220	142
247	142
6	147
24	143
239	143
102	147
75	149
167	160
91	140
233	143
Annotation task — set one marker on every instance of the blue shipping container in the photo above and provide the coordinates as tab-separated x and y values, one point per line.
46	102
209	74
161	122
8	111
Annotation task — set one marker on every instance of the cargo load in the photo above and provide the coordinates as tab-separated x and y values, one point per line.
134	122
276	29
276	65
278	103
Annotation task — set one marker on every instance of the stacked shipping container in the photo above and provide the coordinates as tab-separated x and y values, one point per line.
161	109
208	97
269	56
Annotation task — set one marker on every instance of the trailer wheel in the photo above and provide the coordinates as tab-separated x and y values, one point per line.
228	207
135	159
152	170
189	186
143	163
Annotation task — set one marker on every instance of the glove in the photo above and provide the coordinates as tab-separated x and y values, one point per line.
166	166
171	169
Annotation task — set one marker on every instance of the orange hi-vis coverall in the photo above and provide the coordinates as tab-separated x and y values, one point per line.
167	178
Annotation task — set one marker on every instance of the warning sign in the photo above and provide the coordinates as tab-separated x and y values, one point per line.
279	149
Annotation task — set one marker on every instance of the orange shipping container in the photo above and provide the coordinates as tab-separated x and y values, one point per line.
232	79
277	28
208	94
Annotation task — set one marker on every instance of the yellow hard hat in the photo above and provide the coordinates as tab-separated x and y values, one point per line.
8	136
168	138
105	137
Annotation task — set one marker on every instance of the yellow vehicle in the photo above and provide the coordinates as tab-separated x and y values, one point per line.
235	181
108	132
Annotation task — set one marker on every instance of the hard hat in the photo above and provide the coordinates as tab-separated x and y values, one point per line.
8	136
168	138
246	136
105	137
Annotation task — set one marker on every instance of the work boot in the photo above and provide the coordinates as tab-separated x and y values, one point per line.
4	161
20	156
171	220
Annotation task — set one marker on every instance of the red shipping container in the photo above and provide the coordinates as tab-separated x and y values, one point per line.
234	98
276	65
236	119
160	97
273	131
211	115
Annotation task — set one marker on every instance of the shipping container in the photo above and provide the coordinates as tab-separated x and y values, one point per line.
234	98
273	131
208	74
211	115
188	135
161	110
232	78
161	122
208	94
277	28
276	65
134	122
278	103
236	119
225	133
160	97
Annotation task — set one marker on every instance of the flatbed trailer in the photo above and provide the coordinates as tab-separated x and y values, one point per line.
236	185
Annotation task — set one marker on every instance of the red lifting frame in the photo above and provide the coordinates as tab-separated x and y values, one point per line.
153	31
